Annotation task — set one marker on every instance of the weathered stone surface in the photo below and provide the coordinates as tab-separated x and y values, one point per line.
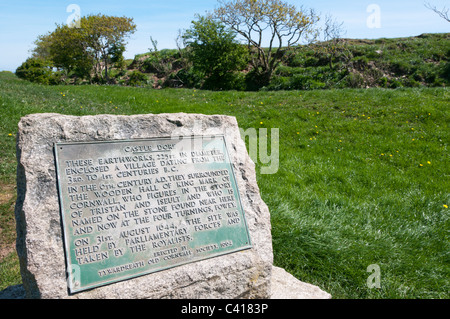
286	286
283	286
246	274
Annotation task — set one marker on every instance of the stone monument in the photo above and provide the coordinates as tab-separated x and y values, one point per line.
144	206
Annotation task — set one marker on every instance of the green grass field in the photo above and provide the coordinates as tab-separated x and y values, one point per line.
364	176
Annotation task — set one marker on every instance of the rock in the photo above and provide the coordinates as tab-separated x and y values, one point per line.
245	274
283	286
286	286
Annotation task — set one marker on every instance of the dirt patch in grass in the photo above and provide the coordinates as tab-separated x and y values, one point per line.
7	192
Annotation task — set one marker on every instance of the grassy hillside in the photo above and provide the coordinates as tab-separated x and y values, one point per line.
389	63
422	61
363	176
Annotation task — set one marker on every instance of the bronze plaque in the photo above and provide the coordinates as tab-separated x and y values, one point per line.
134	207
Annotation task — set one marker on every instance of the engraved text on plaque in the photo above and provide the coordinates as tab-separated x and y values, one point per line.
135	207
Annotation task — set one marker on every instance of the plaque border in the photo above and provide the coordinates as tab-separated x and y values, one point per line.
69	270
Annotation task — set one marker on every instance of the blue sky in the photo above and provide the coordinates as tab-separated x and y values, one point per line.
21	21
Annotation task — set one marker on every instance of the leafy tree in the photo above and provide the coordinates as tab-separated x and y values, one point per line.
214	51
104	37
273	24
65	49
117	56
90	49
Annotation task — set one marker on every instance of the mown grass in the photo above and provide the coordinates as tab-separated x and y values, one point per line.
363	176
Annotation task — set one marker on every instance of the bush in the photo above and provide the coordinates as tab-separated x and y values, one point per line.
214	52
400	67
410	82
253	81
287	70
305	82
295	59
228	81
36	70
361	62
354	80
186	77
395	84
137	78
445	73
59	77
161	62
383	82
280	83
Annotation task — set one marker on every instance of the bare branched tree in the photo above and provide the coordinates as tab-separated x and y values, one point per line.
443	13
332	44
332	34
272	23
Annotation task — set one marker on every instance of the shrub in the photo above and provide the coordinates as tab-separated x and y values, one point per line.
295	58
305	82
161	62
410	82
137	78
354	80
253	81
383	82
361	62
280	83
400	67
214	51
186	77
445	73
311	61
395	84
315	85
227	81
36	70
287	70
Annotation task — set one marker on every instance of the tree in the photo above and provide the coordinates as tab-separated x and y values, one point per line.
65	49
105	38
272	23
442	13
333	46
214	50
90	49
